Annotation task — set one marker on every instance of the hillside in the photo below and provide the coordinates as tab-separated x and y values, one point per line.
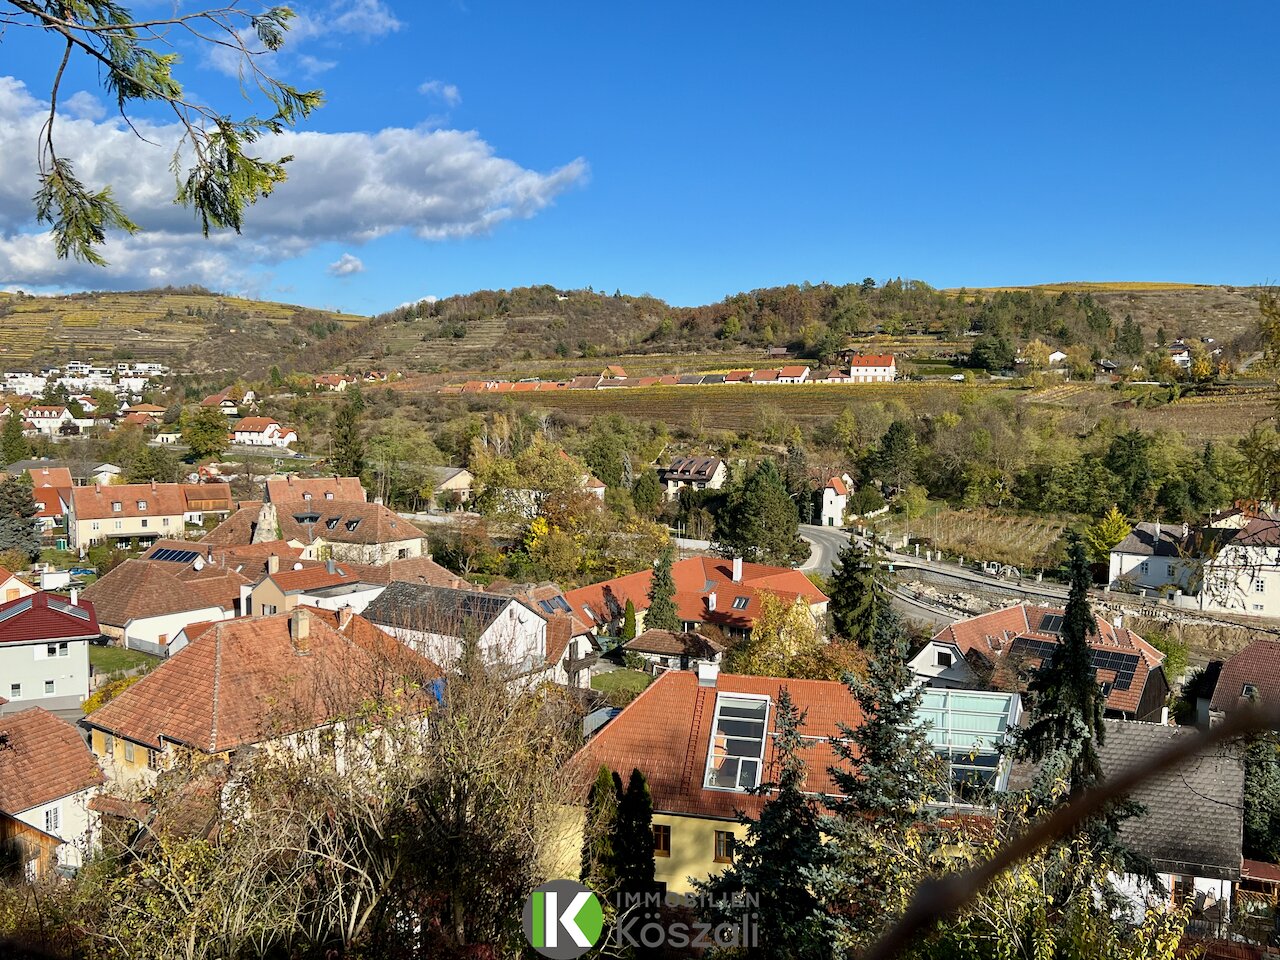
188	328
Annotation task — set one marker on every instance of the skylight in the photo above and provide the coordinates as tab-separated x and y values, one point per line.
735	755
740	603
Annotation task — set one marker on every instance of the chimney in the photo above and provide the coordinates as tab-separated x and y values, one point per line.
1186	530
711	602
344	617
708	673
1157	529
299	627
331	566
153	485
737	569
273	564
75	597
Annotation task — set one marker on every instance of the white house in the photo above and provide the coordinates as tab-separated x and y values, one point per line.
262	432
436	621
48	778
697	473
872	368
44	651
1056	358
793	374
835	500
48	421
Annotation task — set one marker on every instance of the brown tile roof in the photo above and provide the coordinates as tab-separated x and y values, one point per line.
666	733
319	488
413	570
1257	665
149	588
796	371
161	499
672	644
696	578
44	760
313	576
764	375
993	635
51	477
253	424
248	680
343	521
237	529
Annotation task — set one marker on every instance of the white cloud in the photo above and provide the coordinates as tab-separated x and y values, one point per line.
345	266
344	188
448	92
84	104
368	18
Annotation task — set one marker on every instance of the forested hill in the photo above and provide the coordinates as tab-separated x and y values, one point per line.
480	330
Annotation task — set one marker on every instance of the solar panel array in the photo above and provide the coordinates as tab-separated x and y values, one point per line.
1123	665
1051	623
175	556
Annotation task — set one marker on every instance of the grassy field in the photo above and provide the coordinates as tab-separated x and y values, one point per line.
112	659
620	686
982	534
197	331
746	407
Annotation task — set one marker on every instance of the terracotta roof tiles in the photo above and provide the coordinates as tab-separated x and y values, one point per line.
44	760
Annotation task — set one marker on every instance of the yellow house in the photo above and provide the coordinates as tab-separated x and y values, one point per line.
702	740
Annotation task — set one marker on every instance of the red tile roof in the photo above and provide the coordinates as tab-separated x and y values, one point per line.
248	680
150	588
254	424
695	579
319	488
44	760
313	576
215	400
666	733
1258	664
796	371
764	375
737	376
47	616
871	360
837	484
51	477
992	635
161	499
50	501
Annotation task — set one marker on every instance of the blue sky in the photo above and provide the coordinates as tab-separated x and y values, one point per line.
695	150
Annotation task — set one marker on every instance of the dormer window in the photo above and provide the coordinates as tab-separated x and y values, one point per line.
142	504
306	496
351	525
116	506
332	523
1249	691
944	658
735	756
328	494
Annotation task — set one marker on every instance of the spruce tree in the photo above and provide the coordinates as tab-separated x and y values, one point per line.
599	859
633	837
629	621
1066	711
18	518
858	597
13	445
662	614
760	521
348	444
784	851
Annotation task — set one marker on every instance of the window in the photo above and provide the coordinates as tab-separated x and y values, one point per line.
51	650
402	553
328	494
49	688
740	603
736	752
1249	692
15	691
351	525
724	846
332	523
268	609
128	751
164	522
1145	567
108	745
154	759
1168	569
116	506
119	524
142	504
661	840
11	594
944	658
64	649
1259	586
52	820
144	521
1182	888
97	525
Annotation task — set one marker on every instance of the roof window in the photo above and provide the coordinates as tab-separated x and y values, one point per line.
735	755
740	603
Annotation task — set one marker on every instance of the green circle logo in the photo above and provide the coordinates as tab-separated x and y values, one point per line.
562	919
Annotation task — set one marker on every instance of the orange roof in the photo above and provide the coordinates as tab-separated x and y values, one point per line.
871	360
666	734
993	635
141	419
50	501
44	760
765	375
45	411
251	679
837	484
254	424
216	399
696	578
148	499
797	371
50	477
313	576
734	376
315	488
145	408
615	370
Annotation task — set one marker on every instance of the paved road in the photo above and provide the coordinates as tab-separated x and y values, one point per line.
827	542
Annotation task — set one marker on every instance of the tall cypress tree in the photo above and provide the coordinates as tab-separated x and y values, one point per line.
785	850
348	444
1066	712
629	621
662	613
599	857
858	595
633	836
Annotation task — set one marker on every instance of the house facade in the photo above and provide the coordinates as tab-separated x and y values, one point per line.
262	432
44	651
48	421
664	650
48	779
695	473
872	367
835	501
143	512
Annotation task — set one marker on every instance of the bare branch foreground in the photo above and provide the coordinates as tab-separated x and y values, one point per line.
939	898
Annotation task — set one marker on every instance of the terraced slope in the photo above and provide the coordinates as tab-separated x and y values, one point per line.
191	330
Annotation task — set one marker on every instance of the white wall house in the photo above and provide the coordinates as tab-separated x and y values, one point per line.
48	421
262	432
44	652
942	664
835	501
872	368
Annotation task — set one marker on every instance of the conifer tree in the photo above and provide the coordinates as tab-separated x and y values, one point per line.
1102	536
858	597
348	444
599	857
13	445
1066	712
633	836
18	518
662	614
784	851
629	621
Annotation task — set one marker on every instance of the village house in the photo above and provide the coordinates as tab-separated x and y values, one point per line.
228	401
347	530
271	682
48	421
262	432
51	490
667	650
710	592
696	473
48	779
336	382
1250	677
793	374
451	486
871	367
44	651
703	740
835	501
13	587
143	512
1005	647
328	584
284	489
571	646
